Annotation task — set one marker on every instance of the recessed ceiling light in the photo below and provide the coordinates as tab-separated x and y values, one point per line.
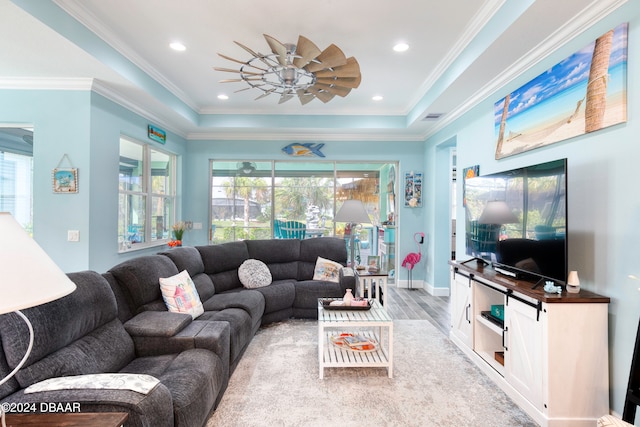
377	98
401	47
178	46
223	97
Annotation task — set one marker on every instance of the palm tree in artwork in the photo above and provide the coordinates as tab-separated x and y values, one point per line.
503	123
597	87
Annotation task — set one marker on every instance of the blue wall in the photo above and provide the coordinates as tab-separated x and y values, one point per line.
603	196
409	155
87	128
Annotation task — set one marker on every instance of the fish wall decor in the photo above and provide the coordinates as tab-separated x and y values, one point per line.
297	149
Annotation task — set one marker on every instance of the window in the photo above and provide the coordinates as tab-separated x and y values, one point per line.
16	177
16	174
254	199
146	204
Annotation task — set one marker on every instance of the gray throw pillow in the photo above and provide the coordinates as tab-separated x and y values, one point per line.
254	273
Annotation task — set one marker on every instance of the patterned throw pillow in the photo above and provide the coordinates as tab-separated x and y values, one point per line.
254	273
180	294
327	270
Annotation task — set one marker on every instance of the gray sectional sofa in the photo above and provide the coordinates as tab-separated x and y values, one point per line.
117	322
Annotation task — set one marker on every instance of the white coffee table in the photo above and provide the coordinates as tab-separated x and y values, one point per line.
374	323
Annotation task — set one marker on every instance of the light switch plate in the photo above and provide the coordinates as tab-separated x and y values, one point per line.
73	235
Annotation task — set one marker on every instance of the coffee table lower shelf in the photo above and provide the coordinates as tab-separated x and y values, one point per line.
336	357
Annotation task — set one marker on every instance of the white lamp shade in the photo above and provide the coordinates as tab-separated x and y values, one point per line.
28	277
352	211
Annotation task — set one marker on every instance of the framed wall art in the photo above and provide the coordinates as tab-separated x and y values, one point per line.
584	93
413	189
65	180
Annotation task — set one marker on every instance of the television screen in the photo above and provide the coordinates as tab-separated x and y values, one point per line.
517	220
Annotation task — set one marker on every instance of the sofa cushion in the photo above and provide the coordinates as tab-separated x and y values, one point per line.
327	270
188	258
278	295
157	324
76	334
254	273
280	255
332	248
221	263
145	410
11	385
180	294
194	379
308	292
141	276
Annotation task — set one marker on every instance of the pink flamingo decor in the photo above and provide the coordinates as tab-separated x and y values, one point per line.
413	258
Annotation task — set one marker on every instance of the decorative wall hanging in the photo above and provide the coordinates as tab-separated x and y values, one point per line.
65	179
413	189
297	149
468	173
156	134
584	93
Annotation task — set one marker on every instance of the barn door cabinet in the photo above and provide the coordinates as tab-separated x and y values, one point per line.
550	352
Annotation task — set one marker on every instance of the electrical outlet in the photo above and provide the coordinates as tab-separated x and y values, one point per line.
73	235
197	226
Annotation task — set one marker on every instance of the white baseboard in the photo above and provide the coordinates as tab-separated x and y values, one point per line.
421	284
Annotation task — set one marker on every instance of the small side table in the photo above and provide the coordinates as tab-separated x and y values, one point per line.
75	419
366	282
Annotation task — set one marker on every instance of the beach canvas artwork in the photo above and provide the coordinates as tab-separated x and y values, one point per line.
584	93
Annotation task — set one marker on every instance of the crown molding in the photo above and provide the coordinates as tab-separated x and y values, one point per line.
46	83
598	10
80	13
479	21
310	136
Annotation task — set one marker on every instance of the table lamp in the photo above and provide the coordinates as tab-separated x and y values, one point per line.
28	277
353	213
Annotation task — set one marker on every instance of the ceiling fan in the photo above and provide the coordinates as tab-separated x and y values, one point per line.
297	69
246	168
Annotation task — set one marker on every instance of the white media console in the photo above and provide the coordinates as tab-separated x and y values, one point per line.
550	354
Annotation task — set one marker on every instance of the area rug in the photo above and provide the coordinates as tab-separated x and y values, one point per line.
277	384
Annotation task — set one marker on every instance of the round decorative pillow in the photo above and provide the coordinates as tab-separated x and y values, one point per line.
254	273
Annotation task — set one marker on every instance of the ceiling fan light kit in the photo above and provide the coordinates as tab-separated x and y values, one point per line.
301	70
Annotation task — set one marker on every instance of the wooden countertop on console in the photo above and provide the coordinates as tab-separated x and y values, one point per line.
525	288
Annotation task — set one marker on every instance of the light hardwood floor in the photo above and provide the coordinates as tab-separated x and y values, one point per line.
418	304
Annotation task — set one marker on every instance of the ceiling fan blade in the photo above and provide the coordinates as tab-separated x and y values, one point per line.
278	48
305	97
241	62
254	54
306	50
350	69
335	90
257	79
285	97
320	94
344	82
231	70
329	58
247	88
267	93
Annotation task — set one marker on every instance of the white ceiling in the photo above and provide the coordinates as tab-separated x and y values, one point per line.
460	52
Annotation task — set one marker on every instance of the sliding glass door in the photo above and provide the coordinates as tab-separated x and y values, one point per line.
253	199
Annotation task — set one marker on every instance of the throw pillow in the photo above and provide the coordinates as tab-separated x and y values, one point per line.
327	270
180	294
254	273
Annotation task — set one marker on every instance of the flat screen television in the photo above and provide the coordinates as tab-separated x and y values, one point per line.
517	221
